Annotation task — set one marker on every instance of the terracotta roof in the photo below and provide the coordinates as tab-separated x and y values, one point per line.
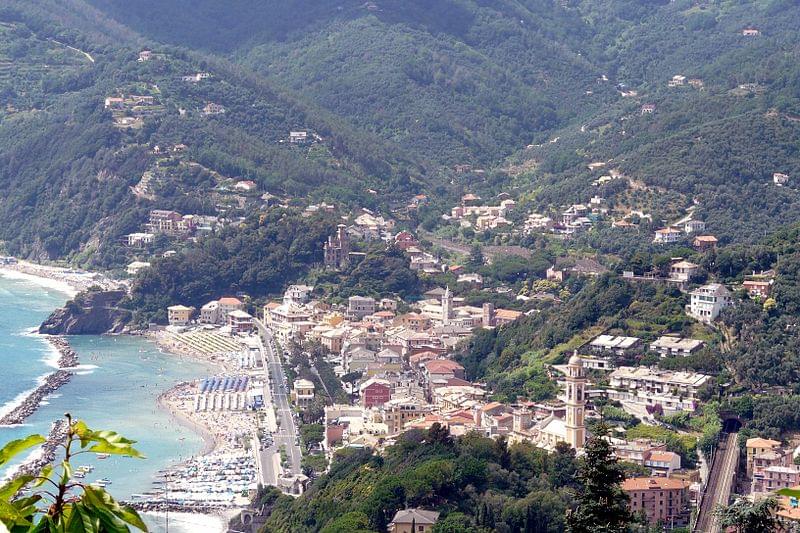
437	366
491	406
507	314
662	456
706	238
272	305
230	300
653	483
758	442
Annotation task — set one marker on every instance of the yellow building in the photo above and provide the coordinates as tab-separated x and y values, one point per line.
758	446
179	315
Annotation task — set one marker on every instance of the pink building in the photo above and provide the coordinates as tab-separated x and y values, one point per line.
661	499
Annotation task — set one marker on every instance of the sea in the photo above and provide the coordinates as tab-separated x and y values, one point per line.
115	387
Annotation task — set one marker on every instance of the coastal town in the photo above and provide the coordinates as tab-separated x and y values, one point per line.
389	268
365	370
305	376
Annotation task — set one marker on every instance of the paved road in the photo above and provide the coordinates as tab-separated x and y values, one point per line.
286	436
720	483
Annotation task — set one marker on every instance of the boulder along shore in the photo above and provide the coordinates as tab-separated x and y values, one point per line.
67	359
57	435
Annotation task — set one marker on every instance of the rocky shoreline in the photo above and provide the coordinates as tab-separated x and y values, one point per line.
57	435
31	403
67	359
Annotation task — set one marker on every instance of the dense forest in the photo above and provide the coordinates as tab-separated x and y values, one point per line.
480	484
397	93
260	258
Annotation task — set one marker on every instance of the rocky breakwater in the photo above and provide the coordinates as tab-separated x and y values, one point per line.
67	359
31	402
91	312
57	435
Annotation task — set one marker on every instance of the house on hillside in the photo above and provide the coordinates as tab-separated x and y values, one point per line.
413	521
667	236
780	179
708	301
694	226
179	315
702	243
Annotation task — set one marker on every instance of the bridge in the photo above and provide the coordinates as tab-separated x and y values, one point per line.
721	478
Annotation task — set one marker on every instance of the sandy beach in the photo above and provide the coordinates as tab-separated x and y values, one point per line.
222	431
68	281
167	402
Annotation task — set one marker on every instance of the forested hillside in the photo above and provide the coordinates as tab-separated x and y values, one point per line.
81	172
474	82
394	94
478	483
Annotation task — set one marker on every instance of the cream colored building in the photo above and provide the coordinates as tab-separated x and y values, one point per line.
179	315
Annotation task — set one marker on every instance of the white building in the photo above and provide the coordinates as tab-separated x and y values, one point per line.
139	240
707	302
297	294
779	178
694	226
683	270
669	346
614	344
571	429
135	266
644	386
303	392
210	313
667	236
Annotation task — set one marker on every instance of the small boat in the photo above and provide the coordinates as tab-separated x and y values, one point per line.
105	480
79	475
103	456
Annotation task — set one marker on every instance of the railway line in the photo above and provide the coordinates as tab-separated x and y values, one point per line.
721	480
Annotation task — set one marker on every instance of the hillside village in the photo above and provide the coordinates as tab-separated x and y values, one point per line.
393	363
404	236
394	367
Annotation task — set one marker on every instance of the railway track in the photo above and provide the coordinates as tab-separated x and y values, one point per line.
721	481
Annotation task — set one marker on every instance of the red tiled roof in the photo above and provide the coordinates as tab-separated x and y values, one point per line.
653	483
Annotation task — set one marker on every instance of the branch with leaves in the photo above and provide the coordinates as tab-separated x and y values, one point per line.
53	501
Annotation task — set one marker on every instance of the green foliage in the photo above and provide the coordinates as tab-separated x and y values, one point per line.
512	358
311	434
478	483
683	445
602	505
380	273
73	507
745	516
260	258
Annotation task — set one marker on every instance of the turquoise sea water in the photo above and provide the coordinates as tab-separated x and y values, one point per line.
115	388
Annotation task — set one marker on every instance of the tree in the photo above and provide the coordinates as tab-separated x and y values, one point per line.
475	259
749	517
602	505
50	503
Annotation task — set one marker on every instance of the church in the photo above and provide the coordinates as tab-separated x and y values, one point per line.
571	429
